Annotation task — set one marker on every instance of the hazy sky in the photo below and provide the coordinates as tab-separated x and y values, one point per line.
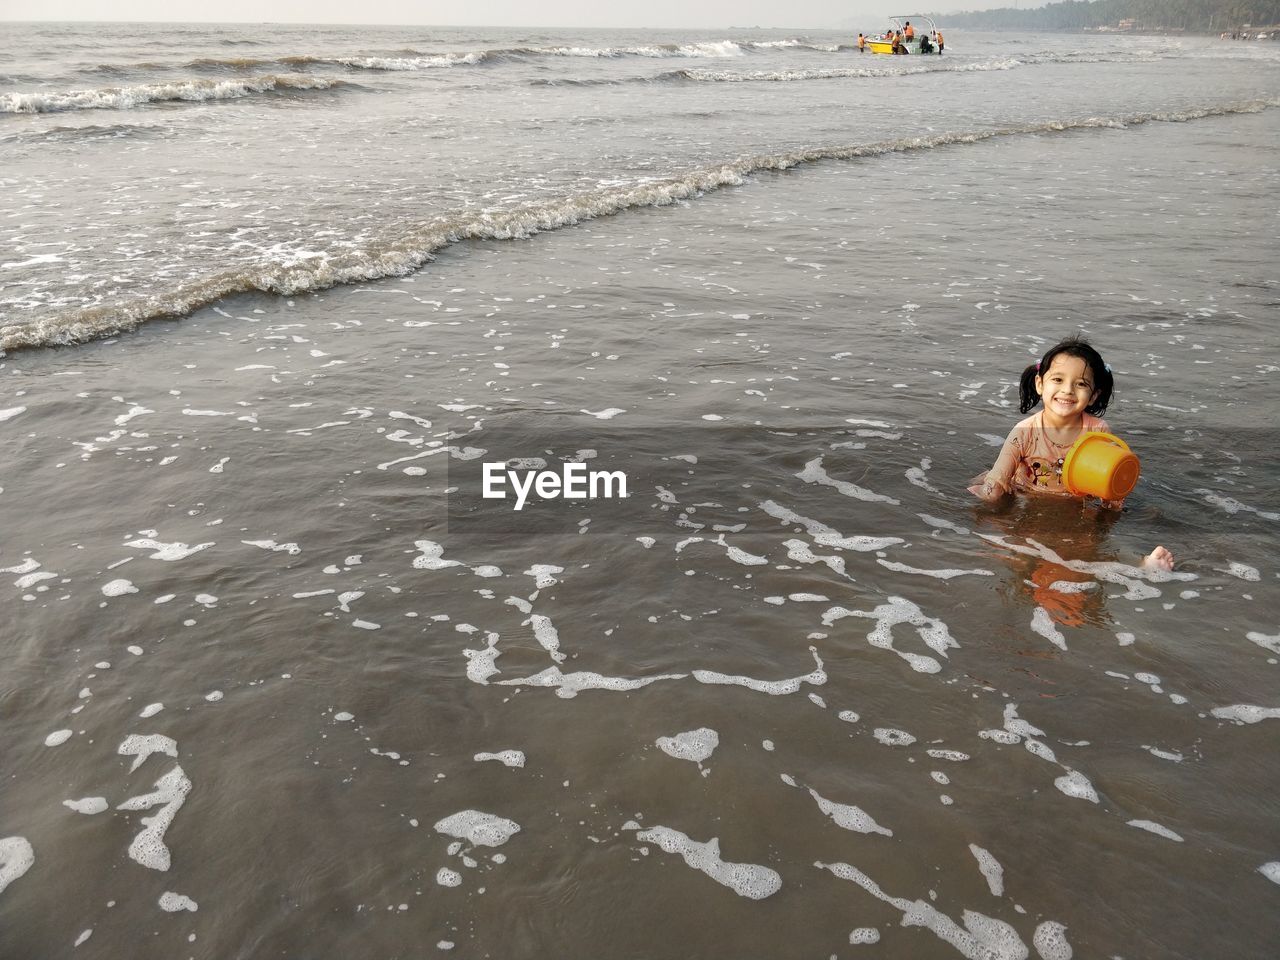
525	13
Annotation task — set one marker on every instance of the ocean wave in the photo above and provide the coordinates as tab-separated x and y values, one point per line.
117	98
90	132
419	60
717	48
588	81
414	246
424	62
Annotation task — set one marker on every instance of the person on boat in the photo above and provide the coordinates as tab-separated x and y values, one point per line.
862	44
925	45
938	36
897	45
909	33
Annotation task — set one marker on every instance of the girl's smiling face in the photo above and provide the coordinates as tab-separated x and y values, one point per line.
1066	388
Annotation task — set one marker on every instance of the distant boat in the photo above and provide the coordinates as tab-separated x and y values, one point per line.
925	41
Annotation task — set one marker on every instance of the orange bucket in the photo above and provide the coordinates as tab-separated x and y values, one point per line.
1100	465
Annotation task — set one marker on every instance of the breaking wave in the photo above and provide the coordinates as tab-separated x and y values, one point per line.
408	248
422	60
123	98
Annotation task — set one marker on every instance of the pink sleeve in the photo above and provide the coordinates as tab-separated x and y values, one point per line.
998	481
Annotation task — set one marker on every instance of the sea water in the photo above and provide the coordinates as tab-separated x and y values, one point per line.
271	297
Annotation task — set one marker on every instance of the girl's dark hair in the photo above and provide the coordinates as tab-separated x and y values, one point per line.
1072	347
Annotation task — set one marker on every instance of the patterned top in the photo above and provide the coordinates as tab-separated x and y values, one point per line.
1029	461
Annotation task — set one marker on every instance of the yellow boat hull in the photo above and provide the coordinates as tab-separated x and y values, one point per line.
885	46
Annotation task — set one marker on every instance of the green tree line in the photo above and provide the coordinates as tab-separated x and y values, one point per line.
1204	16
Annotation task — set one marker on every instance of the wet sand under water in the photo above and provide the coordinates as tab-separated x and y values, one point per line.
915	713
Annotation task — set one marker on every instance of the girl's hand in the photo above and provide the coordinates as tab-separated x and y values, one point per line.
1158	559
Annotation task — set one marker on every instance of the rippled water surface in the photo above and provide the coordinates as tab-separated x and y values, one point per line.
279	682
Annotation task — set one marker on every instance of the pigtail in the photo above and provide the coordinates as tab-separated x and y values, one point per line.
1103	383
1027	395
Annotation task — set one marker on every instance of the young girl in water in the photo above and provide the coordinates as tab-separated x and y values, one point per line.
1075	385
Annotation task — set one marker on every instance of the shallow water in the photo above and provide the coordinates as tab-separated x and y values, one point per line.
255	530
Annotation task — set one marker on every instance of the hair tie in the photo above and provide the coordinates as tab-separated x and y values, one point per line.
1037	366
1106	367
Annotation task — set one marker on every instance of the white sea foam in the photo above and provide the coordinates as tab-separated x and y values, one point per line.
478	829
1042	623
772	687
1270	870
1264	641
508	758
167	551
864	935
895	611
118	588
694	745
738	555
941	524
1155	828
571	684
949	573
813	472
1231	505
87	805
1076	784
432	556
545	633
1246	713
826	536
57	738
141	746
448	878
990	868
148	847
175	902
10	413
1243	571
981	937
544	575
745	879
848	816
1072	586
16	858
480	663
799	551
290	548
31	579
1050	940
891	737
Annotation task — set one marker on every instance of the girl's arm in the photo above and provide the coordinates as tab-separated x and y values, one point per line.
998	481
